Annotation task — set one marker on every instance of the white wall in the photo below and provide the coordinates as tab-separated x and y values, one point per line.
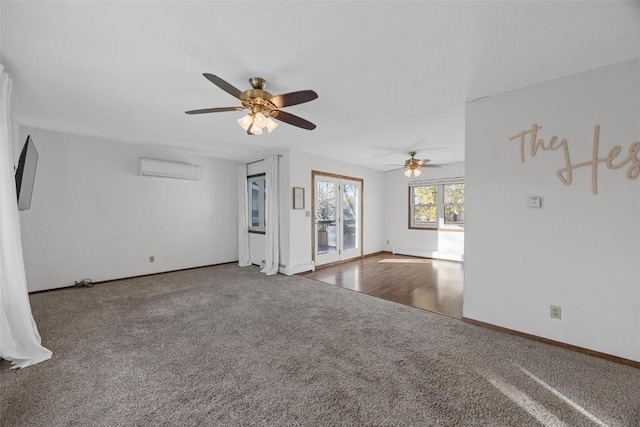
299	254
580	251
427	243
1	32
93	217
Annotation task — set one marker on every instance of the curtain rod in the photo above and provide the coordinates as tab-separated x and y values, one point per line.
261	160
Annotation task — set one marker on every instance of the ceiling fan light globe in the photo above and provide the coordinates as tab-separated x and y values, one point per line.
407	173
260	120
255	130
417	172
271	124
245	122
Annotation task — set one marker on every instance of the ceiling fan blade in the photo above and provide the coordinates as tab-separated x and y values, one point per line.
396	169
292	120
293	98
434	166
214	110
227	87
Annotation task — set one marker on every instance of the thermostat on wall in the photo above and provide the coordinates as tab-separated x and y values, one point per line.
535	202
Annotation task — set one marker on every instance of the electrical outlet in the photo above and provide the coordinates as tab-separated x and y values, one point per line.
152	258
556	312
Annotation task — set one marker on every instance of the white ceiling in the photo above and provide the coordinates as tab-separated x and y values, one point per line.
391	76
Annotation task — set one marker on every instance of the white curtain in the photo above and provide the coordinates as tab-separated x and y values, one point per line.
19	337
272	229
243	218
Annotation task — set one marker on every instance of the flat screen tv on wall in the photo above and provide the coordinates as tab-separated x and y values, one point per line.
26	174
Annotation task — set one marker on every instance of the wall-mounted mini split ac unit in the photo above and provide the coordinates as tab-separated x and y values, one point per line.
162	168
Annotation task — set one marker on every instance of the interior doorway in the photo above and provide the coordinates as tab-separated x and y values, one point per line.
337	217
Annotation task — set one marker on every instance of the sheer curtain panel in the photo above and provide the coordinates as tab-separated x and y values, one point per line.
243	217
272	229
19	337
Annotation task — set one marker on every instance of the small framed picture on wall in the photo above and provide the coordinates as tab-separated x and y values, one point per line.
298	198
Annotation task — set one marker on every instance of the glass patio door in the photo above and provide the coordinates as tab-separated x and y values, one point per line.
337	215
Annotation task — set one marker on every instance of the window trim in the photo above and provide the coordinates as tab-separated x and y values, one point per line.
440	225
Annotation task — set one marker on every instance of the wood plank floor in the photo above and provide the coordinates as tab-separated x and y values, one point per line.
429	284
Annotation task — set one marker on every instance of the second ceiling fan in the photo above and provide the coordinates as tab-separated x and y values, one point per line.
414	166
262	106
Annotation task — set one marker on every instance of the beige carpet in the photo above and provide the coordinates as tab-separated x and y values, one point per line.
229	346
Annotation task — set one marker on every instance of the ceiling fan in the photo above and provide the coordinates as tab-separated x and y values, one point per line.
414	166
262	106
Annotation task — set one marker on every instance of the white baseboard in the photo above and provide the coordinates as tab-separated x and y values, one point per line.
426	253
301	267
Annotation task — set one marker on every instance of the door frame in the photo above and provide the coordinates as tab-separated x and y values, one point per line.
315	173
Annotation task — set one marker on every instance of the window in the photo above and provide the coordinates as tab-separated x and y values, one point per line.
425	205
436	205
453	201
257	201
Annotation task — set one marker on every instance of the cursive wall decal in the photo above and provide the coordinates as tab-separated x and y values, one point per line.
566	173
